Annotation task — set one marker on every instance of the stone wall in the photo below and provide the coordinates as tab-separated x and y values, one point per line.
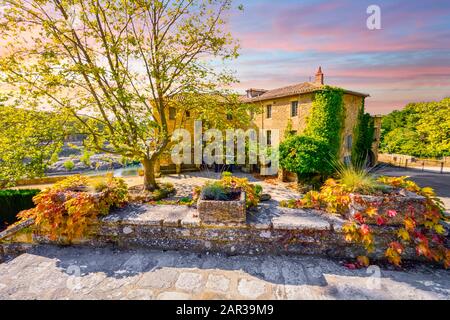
286	231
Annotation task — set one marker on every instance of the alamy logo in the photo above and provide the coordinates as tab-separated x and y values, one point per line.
237	147
374	20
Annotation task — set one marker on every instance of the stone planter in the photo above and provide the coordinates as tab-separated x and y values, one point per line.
404	202
214	211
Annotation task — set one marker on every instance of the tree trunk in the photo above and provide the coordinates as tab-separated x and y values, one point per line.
149	175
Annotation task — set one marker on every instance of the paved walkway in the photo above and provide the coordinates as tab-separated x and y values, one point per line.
48	272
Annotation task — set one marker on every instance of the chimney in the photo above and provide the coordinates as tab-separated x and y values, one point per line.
319	77
252	92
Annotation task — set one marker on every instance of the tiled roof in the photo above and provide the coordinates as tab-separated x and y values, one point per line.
304	87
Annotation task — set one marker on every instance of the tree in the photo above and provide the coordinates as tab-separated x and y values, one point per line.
24	151
116	66
420	129
363	136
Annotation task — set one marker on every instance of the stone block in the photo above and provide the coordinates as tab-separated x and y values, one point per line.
213	211
403	203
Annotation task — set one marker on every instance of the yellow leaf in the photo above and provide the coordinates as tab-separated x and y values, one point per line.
372	211
439	228
363	260
403	234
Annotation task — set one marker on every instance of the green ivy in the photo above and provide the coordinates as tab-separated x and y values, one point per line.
327	117
312	153
363	137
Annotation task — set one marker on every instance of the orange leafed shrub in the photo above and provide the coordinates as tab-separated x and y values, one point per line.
67	209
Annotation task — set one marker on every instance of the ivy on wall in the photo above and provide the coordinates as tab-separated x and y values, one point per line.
363	137
312	152
327	117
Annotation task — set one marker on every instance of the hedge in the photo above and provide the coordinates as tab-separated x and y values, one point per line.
14	201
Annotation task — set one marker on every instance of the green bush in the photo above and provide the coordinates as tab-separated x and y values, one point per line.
305	156
14	201
69	165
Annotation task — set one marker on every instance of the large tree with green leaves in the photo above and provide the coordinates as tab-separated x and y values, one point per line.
116	66
420	129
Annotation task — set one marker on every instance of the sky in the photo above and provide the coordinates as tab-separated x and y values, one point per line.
408	60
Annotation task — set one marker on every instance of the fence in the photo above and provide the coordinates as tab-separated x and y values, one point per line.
400	160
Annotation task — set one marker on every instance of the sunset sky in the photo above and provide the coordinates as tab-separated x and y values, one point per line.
283	42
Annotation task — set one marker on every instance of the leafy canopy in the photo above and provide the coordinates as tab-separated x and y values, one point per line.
420	129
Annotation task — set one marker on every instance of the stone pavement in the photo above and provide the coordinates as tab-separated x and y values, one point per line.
50	272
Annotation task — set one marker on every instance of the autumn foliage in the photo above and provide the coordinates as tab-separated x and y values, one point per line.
66	210
422	231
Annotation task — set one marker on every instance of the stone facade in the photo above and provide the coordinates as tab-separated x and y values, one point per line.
280	100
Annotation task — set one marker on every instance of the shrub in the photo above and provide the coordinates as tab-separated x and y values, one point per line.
305	156
258	189
14	201
69	165
216	191
68	208
357	179
226	174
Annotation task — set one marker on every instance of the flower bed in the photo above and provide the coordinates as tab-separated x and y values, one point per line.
415	215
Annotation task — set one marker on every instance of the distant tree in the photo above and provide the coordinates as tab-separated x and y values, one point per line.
420	129
116	66
29	141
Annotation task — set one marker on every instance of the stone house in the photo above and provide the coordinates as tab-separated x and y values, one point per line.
278	107
293	104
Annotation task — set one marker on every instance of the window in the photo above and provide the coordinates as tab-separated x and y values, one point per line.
268	111
172	113
188	114
269	137
349	142
294	108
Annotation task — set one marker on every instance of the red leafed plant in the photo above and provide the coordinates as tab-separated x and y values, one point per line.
68	208
425	235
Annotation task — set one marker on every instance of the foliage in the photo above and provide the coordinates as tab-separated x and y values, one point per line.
226	174
25	151
425	237
420	129
288	130
310	154
66	210
69	165
80	58
357	179
305	155
86	158
363	136
14	201
227	182
327	117
216	191
252	198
